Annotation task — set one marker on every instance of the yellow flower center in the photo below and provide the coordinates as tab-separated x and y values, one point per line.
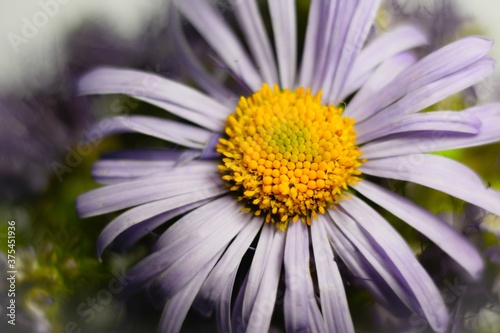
287	156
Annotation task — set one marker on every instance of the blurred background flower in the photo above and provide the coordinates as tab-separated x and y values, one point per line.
44	163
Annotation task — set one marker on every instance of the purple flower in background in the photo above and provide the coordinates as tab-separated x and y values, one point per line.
299	145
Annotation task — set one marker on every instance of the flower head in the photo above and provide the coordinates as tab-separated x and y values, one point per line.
299	145
288	155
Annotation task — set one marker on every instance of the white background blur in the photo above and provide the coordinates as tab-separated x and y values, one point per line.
42	51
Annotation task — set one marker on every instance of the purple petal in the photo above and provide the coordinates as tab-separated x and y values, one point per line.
284	23
376	80
445	61
300	307
352	31
238	322
422	142
381	49
168	130
177	307
223	312
155	213
331	289
397	251
262	309
209	23
190	223
383	289
450	121
439	173
334	19
369	252
177	98
181	259
296	262
257	270
220	276
118	171
316	25
432	93
111	171
133	234
434	228
191	63
115	197
250	20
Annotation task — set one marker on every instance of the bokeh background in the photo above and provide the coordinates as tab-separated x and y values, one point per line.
61	286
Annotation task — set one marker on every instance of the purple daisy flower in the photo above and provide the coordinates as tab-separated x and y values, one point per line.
299	146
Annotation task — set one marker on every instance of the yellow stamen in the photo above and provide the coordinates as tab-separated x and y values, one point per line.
287	155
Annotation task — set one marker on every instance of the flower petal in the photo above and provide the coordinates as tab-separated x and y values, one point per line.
220	276
423	142
262	309
433	92
450	121
300	307
383	289
382	48
179	260
431	226
397	251
332	30
117	171
378	262
168	130
223	312
284	21
439	64
332	294
439	173
191	63
177	307
119	196
352	31
316	25
177	98
134	233
155	213
257	270
250	20
209	23
377	79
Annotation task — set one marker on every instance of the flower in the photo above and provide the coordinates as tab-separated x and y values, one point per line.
306	146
